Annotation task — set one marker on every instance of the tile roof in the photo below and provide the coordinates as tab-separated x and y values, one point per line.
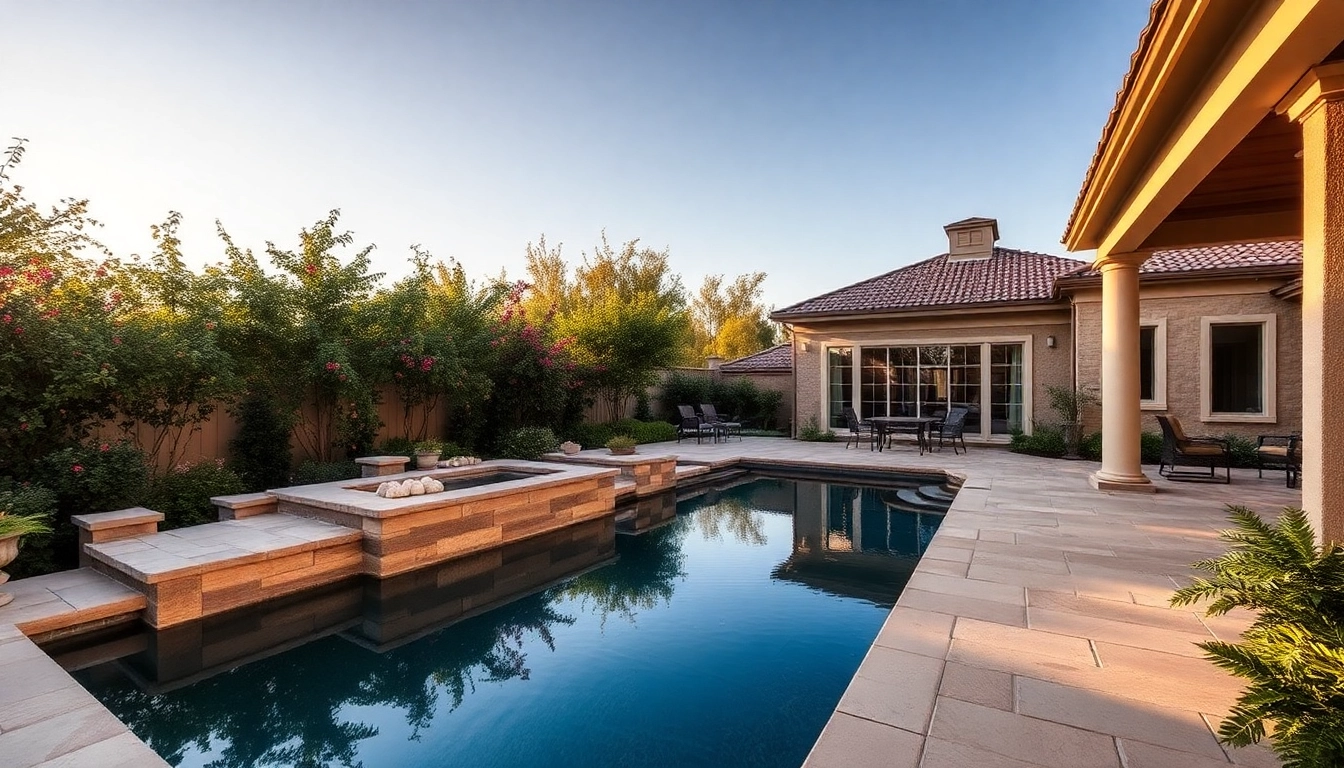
1007	276
776	358
1284	253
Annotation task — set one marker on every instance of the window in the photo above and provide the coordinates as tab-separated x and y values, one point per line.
1005	388
1237	368
840	381
1147	363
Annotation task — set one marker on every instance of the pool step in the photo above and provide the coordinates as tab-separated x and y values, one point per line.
207	569
936	493
917	500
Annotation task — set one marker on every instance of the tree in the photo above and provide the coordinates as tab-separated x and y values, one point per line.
729	319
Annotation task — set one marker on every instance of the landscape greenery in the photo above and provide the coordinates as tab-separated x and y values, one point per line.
109	364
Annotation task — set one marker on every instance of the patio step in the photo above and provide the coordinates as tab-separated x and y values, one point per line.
915	500
207	569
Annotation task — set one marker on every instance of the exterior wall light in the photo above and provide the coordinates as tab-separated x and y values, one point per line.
1050	341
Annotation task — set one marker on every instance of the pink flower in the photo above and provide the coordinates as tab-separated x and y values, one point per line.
545	362
426	364
23	426
100	272
116	339
210	325
310	269
332	366
77	468
18	331
104	447
342	377
6	271
8	318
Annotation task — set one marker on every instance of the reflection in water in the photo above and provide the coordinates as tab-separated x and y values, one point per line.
859	542
284	684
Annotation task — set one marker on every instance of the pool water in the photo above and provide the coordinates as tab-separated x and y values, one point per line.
724	637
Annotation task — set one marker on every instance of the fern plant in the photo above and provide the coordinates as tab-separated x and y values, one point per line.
1293	654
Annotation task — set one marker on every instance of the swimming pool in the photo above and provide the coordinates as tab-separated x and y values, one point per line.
723	637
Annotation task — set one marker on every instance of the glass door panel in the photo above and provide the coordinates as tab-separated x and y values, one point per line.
840	381
1006	388
874	375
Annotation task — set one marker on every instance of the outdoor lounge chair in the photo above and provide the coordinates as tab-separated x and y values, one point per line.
1280	452
858	428
1180	450
712	416
692	424
952	428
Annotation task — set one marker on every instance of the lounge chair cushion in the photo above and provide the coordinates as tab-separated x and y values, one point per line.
1281	451
1199	449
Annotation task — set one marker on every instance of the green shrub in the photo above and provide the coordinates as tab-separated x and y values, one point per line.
311	472
620	443
592	435
1090	447
260	452
396	446
1045	440
1242	450
812	433
736	398
527	443
1293	653
1150	447
183	495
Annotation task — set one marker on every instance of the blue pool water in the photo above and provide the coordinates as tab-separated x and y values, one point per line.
723	636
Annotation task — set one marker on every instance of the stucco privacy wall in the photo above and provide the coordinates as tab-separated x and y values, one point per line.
1049	366
1183	314
778	382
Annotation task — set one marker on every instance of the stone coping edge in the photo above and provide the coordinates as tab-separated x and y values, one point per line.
99	521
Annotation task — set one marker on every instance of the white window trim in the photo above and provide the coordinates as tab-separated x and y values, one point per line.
1159	401
983	434
1268	368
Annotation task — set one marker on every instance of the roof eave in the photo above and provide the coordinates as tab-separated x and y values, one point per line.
1047	302
1192	275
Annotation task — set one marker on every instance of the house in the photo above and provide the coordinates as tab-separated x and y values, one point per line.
991	328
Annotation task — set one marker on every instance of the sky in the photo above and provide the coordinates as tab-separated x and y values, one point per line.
821	142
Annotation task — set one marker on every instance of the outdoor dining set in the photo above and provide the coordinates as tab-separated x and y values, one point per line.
948	427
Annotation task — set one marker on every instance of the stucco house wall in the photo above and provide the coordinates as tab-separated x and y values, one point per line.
1180	306
1035	325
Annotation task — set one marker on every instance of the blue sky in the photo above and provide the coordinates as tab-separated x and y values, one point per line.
820	142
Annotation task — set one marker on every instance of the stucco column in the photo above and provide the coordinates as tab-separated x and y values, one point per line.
1121	469
1317	103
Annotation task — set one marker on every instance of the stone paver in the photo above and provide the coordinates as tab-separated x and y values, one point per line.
1061	649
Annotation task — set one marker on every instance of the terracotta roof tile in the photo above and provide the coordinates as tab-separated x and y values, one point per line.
1286	253
1007	276
776	358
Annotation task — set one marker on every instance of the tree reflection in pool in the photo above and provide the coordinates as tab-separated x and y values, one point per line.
724	637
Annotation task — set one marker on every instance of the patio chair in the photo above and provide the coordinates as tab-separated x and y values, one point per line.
1280	452
728	427
952	428
858	428
692	424
1179	450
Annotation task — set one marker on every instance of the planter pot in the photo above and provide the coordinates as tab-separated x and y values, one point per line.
426	460
9	549
569	448
622	451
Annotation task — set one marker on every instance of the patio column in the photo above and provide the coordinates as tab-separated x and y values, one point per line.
1317	104
1121	469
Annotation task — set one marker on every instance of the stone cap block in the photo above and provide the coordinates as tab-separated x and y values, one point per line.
98	521
382	461
243	500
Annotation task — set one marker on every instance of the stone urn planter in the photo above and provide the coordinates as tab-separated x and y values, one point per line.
9	549
569	447
426	460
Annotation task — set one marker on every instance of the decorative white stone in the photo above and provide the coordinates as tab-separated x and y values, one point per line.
382	489
396	491
456	461
431	485
416	487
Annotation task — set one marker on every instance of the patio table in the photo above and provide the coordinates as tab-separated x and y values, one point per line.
884	424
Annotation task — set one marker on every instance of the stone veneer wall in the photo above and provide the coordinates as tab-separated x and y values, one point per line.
1184	348
400	543
1050	366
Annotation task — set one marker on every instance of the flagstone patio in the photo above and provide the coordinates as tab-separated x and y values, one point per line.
1035	630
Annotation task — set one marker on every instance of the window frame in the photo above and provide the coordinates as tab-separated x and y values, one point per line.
981	432
1159	401
1268	368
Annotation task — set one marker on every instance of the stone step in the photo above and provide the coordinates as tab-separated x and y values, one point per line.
936	493
917	500
206	569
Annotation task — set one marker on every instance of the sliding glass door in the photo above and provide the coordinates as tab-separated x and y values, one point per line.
930	379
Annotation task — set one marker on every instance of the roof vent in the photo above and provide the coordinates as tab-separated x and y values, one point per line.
971	239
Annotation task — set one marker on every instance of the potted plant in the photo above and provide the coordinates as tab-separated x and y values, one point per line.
13	526
1069	404
427	454
621	445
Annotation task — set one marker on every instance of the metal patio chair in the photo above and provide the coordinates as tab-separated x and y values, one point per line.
1180	450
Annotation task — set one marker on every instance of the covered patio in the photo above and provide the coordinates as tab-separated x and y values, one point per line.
1228	128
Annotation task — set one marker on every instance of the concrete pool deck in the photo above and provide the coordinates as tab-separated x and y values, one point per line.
1034	631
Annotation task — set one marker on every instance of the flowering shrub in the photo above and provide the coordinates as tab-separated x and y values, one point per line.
183	494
